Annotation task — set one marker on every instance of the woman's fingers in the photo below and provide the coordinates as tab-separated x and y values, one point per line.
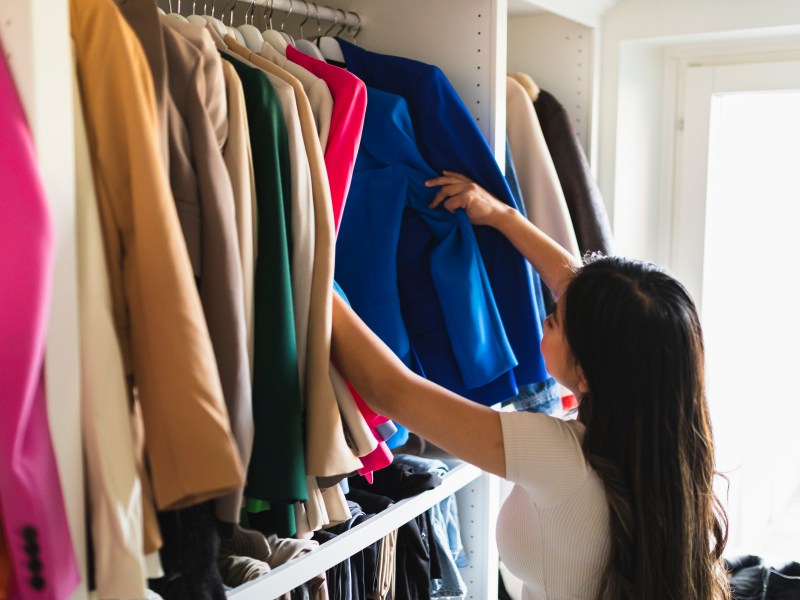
443	180
447	191
457	176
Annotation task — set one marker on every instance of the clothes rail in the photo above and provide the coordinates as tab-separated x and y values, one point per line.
312	10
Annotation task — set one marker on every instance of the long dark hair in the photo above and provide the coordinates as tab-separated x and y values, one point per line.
635	333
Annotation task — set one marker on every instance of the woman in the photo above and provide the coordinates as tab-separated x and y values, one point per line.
619	503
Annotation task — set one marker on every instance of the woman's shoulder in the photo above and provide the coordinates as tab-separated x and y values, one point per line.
543	453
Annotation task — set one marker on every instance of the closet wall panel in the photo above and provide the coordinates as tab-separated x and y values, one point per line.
559	54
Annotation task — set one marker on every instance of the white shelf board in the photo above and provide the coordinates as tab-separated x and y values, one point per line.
301	569
587	12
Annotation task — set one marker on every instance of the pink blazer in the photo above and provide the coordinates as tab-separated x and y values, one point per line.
349	107
33	515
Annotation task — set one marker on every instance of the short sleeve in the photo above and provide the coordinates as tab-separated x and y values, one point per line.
543	454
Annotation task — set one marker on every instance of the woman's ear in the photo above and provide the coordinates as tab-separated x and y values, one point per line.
583	385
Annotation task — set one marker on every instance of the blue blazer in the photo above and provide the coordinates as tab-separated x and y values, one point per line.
449	138
389	180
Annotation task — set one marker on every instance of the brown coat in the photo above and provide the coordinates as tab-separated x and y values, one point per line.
163	335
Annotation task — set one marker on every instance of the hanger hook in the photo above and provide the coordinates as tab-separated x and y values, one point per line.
335	21
308	14
251	12
268	17
288	14
344	23
319	26
358	27
232	6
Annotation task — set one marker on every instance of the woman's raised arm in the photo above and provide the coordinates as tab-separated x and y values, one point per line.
463	428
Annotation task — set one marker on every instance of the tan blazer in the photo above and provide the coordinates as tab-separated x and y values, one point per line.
204	198
113	488
163	336
214	99
319	96
327	452
541	190
143	20
238	159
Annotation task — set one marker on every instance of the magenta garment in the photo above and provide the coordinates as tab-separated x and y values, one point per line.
33	516
349	107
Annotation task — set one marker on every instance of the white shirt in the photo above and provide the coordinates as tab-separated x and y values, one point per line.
553	530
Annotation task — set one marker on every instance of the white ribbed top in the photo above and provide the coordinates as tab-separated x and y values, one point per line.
553	530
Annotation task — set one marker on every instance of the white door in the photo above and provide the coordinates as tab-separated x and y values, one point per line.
735	237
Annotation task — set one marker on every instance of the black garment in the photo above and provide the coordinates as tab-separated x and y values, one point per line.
189	555
585	204
347	580
783	583
372	504
397	482
417	560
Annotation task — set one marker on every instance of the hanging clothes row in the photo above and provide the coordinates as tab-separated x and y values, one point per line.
214	170
210	165
560	193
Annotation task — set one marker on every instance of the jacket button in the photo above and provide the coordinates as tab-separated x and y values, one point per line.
29	532
35	565
37	583
32	549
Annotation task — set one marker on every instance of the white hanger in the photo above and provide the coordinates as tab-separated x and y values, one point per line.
196	19
218	26
177	15
329	46
271	36
251	34
306	46
229	28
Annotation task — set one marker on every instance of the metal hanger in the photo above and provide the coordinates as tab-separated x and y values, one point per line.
344	23
308	16
289	39
268	19
335	22
358	27
305	45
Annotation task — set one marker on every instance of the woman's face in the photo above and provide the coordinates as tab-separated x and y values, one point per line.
557	355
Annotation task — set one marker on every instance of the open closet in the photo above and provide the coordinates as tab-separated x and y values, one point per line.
474	42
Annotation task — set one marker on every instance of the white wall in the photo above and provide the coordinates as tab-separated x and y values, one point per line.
559	55
633	76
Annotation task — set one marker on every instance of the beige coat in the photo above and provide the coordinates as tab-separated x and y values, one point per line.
538	180
113	488
238	159
319	96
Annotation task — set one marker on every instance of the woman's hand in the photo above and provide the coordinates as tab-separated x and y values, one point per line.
459	191
555	264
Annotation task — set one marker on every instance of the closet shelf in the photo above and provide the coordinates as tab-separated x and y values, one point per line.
301	569
586	12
